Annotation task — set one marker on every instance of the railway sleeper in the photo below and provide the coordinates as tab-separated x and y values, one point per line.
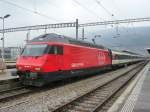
90	99
81	109
84	105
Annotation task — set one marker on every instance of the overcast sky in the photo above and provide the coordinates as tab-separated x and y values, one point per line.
33	12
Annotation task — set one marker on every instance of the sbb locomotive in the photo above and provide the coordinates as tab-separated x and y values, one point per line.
52	57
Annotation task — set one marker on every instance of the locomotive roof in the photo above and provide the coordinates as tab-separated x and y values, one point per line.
52	37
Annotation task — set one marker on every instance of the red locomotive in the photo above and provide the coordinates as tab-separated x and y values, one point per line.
52	57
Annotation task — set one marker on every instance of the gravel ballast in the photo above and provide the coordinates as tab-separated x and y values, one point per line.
47	100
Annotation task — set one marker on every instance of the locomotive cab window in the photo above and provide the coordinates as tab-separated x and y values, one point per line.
56	50
34	50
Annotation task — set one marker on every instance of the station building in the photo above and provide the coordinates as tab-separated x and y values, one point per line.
11	53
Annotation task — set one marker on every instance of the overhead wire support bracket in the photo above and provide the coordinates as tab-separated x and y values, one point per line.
115	22
73	24
37	27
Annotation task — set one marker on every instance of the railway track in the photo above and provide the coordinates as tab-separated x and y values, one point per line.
21	90
9	93
95	99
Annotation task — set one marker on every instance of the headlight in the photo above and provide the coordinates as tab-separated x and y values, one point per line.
38	69
19	68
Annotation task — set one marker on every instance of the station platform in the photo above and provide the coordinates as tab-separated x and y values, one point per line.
6	75
136	98
10	65
8	81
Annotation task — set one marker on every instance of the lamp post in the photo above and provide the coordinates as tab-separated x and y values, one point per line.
3	18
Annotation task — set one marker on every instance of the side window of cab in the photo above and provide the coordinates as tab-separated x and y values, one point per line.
58	50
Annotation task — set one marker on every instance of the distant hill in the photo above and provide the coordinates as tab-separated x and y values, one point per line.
135	39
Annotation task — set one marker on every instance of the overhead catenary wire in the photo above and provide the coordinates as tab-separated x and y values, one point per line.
51	3
29	10
87	9
134	30
100	4
35	5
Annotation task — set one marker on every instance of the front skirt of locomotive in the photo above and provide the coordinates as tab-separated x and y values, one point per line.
38	79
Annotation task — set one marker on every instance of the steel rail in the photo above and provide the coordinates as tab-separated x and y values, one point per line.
6	94
69	106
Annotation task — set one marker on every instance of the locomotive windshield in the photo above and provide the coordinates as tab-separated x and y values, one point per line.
34	50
